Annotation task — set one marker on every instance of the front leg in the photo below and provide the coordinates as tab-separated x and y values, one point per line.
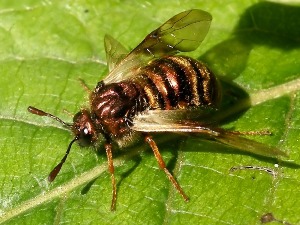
111	169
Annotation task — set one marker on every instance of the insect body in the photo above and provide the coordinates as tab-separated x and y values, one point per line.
150	90
168	83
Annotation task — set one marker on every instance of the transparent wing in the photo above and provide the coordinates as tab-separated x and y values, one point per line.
184	32
247	145
115	51
168	117
165	121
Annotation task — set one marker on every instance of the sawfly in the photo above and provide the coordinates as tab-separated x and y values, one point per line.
150	90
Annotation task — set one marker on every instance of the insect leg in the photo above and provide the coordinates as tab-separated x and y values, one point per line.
259	132
162	166
111	169
265	169
85	87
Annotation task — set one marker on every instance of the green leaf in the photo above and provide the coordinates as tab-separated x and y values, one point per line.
47	46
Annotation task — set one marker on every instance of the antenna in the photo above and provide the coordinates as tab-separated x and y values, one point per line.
56	169
39	112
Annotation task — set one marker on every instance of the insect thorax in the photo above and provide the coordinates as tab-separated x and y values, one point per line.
113	107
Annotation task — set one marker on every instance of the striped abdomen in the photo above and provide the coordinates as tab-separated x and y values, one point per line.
178	82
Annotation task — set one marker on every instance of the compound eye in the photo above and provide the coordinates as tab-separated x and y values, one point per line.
86	131
83	128
85	138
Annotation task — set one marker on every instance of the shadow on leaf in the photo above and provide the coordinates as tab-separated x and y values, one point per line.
265	23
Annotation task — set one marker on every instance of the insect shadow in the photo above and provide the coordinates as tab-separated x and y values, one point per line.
136	159
263	24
